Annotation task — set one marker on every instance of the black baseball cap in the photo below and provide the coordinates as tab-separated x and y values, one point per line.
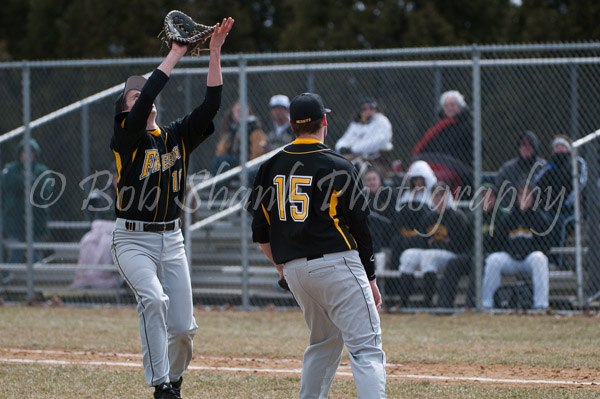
306	108
132	83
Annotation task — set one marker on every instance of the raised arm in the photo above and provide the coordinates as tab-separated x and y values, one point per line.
177	52
215	78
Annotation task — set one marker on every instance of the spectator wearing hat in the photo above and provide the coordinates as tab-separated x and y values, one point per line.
555	180
519	247
463	265
369	133
447	146
446	236
519	169
279	131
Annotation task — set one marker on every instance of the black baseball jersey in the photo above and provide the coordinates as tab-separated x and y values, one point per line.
152	165
308	201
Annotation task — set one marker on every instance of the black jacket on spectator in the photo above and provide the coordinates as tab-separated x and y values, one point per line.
516	170
521	233
409	229
555	177
448	230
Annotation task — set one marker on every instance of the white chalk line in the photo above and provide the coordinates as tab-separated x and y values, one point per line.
254	370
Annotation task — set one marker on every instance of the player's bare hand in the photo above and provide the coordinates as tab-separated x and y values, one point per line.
178	48
221	31
376	294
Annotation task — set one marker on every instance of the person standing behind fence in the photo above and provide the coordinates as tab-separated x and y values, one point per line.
520	247
519	169
279	131
147	246
319	240
13	206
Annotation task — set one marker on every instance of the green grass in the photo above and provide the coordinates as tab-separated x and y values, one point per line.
41	382
555	341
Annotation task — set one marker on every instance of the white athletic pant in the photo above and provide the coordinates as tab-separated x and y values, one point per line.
498	263
427	260
155	267
338	306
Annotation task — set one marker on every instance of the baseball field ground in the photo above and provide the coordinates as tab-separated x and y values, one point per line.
68	353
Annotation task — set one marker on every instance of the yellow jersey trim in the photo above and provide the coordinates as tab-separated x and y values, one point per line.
119	167
332	212
183	178
155	132
168	185
306	141
266	214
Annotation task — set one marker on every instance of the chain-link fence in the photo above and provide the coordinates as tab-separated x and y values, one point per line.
489	121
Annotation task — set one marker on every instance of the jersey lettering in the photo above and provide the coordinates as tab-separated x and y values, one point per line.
152	161
299	200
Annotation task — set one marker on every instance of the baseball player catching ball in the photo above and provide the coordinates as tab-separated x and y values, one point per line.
310	218
147	243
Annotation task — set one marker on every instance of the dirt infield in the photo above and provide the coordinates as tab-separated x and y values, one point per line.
439	373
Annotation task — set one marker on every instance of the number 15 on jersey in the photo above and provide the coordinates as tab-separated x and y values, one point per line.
292	193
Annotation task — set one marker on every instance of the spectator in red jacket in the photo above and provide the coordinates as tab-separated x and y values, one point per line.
448	145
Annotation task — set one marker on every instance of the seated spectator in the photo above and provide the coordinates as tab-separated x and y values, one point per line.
519	169
227	153
95	250
555	180
446	237
520	247
279	132
382	201
412	207
448	145
463	265
369	133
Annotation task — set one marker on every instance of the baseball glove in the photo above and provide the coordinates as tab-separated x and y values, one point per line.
283	284
182	29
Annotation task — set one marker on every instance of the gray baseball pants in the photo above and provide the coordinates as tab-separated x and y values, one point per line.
338	306
155	267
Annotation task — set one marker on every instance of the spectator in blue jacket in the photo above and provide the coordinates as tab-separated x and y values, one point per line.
555	180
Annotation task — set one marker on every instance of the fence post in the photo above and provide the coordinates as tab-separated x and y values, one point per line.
574	98
437	91
1	222
27	182
244	177
477	171
578	249
592	198
85	144
310	80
